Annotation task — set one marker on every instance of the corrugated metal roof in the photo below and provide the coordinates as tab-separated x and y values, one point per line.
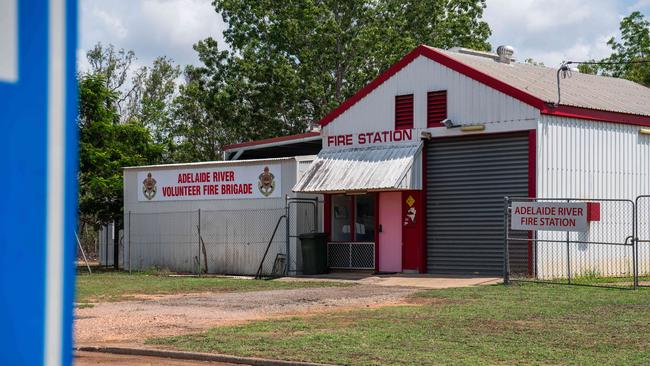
214	163
580	90
364	169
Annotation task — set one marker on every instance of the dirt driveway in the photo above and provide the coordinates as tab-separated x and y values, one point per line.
132	322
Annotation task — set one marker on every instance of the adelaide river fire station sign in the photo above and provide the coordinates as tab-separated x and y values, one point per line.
551	216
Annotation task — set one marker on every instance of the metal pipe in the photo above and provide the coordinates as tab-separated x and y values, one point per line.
82	252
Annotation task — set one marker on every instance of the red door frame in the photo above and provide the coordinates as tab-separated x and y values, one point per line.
327	222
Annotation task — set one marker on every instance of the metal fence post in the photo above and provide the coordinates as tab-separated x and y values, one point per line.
635	245
506	265
106	246
288	230
199	237
129	242
568	254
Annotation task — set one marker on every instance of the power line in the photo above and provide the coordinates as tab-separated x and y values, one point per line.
605	62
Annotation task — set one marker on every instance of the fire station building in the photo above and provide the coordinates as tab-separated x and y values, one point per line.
415	166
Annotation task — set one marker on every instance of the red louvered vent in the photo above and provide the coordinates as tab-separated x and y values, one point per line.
436	108
403	112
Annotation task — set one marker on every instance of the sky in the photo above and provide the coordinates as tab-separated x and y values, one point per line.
548	31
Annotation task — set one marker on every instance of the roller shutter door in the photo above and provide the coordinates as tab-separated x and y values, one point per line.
467	178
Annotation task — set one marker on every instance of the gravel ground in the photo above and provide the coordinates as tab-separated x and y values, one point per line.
132	322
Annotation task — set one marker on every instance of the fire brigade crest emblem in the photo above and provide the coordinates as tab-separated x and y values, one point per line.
149	187
266	182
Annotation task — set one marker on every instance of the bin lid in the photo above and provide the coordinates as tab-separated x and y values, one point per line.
312	235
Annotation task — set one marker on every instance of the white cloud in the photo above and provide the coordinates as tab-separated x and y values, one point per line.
554	30
547	30
151	28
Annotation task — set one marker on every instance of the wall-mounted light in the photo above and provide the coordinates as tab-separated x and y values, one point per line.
426	135
449	123
644	131
469	128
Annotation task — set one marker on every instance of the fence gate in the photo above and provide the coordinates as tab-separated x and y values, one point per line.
302	218
572	241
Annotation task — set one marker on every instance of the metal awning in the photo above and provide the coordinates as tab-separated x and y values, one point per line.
377	168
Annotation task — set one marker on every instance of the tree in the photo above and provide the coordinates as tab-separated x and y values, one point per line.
105	147
634	46
150	102
292	62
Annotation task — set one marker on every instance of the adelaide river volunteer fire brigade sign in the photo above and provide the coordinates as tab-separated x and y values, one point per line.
552	216
234	182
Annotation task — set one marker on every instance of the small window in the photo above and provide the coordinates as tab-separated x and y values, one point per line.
341	217
353	218
436	108
404	112
364	221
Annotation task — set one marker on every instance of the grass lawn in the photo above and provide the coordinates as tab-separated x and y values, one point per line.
118	286
519	324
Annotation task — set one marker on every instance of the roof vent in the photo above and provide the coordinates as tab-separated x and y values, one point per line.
505	53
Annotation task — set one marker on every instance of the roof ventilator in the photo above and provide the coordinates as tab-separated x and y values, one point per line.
505	53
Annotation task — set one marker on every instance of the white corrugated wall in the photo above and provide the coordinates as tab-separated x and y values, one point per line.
592	160
468	101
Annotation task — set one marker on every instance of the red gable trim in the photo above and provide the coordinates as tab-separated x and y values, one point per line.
432	54
271	140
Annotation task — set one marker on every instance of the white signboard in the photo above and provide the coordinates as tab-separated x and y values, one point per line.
8	41
551	216
217	183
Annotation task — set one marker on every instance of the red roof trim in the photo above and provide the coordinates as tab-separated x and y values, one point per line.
271	140
596	115
432	54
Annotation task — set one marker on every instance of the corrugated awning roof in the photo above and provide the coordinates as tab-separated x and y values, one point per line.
377	168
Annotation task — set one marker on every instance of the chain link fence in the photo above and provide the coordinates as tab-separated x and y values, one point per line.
220	241
235	240
168	240
604	255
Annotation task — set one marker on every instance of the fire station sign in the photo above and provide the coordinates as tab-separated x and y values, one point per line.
550	216
238	182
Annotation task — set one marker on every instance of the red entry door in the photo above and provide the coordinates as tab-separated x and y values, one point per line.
412	216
